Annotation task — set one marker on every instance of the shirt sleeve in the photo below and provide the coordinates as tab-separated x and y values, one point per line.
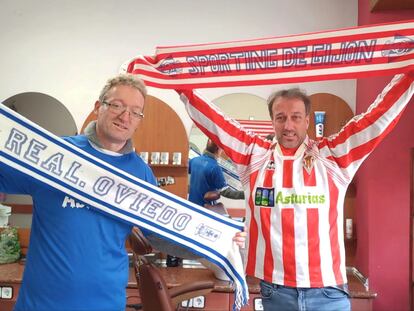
217	178
232	194
242	147
13	181
151	177
359	137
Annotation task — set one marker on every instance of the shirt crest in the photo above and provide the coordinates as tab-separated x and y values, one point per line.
308	162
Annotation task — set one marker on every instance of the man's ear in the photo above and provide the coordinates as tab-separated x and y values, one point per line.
97	106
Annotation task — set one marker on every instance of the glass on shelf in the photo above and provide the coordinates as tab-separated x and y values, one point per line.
176	158
155	157
144	156
164	158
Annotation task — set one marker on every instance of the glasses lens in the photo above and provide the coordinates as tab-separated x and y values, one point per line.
119	108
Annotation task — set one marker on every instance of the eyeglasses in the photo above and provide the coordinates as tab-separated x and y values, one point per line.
119	108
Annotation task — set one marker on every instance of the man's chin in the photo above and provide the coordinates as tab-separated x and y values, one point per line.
290	144
120	138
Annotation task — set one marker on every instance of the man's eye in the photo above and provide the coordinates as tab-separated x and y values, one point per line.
297	118
117	105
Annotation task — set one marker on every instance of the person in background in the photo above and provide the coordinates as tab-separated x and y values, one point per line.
76	258
206	175
295	189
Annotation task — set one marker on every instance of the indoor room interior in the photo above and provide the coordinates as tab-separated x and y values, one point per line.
56	55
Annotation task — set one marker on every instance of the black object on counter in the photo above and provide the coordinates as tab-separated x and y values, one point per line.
173	261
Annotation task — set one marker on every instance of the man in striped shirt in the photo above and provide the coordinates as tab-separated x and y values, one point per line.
295	189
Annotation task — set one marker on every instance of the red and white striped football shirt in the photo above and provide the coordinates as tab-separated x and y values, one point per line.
295	203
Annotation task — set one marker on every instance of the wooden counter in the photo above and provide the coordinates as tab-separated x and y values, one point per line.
175	276
220	299
10	276
222	296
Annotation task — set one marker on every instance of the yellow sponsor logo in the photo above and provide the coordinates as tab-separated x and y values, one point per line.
299	198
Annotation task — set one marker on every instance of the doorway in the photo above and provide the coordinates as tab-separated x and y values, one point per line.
411	275
49	113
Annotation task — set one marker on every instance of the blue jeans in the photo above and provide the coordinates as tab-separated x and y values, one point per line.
282	298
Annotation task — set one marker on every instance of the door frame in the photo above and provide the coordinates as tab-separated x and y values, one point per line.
411	274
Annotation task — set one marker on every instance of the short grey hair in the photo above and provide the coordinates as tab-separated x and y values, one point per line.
293	93
124	79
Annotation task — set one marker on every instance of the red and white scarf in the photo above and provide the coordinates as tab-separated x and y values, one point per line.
349	53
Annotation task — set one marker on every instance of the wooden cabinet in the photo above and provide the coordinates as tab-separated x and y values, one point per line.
337	113
162	131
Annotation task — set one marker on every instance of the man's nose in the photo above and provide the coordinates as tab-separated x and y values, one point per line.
125	115
288	124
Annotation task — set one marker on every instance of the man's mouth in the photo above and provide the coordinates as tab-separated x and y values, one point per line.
289	134
122	127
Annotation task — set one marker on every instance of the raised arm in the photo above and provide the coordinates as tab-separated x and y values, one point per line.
358	138
238	144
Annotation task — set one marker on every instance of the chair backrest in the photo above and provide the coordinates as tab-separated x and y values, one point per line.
152	287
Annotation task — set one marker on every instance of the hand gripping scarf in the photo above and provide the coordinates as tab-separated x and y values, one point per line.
34	151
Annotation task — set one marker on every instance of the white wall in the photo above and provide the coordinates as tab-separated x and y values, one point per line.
67	49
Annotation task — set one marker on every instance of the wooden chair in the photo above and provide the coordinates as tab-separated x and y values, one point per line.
154	293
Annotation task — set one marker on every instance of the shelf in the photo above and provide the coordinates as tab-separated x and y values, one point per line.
167	166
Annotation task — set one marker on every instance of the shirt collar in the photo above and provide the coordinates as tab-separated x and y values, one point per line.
90	133
209	154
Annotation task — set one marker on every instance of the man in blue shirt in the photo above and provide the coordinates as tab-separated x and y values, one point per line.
206	175
76	258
